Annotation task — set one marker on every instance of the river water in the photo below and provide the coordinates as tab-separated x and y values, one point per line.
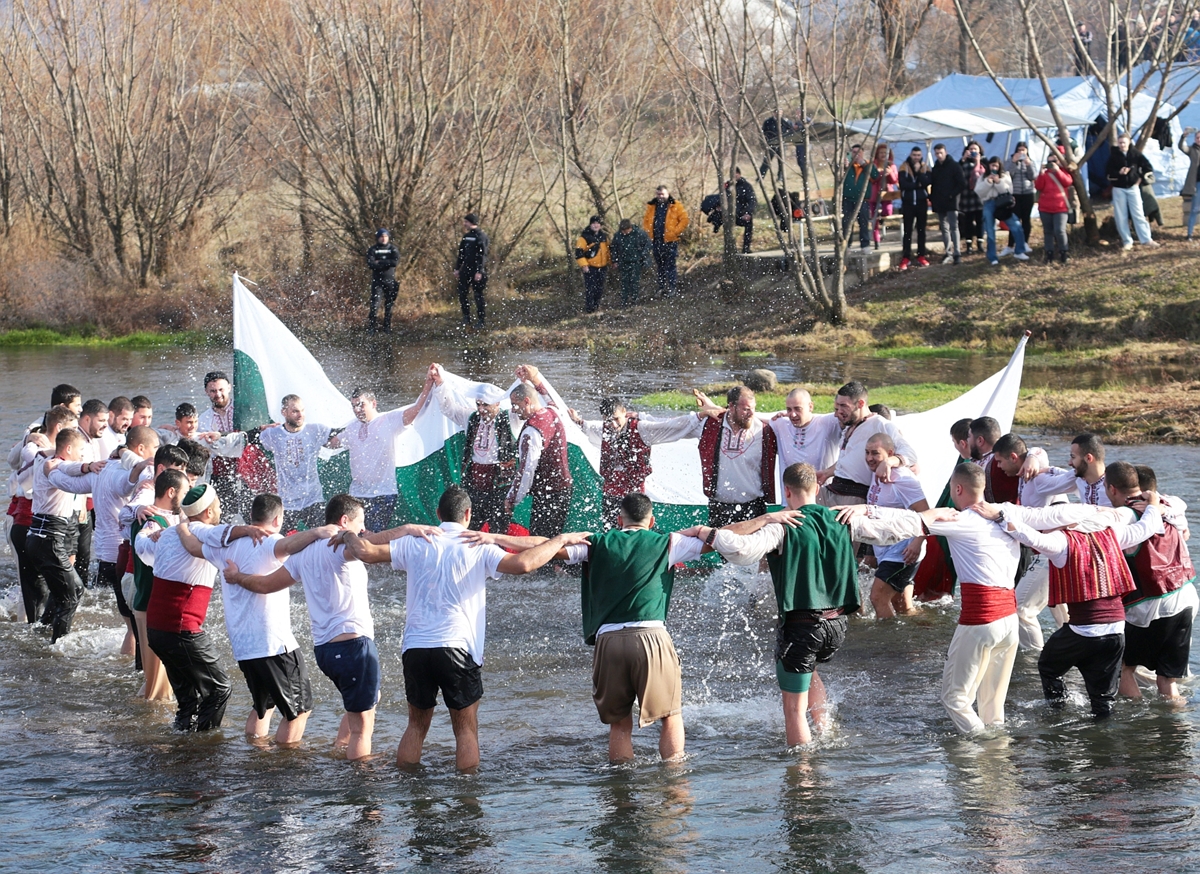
95	780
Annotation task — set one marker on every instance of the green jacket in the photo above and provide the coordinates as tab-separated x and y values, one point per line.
853	186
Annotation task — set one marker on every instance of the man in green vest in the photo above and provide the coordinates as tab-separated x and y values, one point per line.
628	575
812	564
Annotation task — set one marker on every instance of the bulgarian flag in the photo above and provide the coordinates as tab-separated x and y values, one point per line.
269	362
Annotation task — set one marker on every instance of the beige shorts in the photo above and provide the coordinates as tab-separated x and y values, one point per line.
636	663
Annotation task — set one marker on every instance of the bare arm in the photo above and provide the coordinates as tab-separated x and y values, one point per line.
276	581
411	413
532	559
293	543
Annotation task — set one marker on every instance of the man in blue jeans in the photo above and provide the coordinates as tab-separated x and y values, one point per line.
665	220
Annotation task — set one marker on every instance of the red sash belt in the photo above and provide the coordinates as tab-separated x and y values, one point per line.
984	604
177	607
21	509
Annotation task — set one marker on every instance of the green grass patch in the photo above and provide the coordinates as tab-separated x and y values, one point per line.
136	340
914	398
755	353
925	352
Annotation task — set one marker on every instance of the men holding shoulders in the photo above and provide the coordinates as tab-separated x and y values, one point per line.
816	585
444	620
260	626
372	444
1085	475
1159	613
335	587
1001	486
295	444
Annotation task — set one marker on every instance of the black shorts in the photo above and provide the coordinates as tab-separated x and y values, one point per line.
279	681
896	574
448	668
800	646
1164	646
353	665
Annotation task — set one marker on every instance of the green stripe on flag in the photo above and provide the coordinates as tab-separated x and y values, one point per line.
250	407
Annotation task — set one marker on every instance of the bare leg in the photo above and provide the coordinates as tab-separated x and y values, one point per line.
130	642
156	686
1167	688
362	726
256	726
1129	687
795	719
881	599
670	738
818	704
620	740
409	751
465	723
902	602
291	730
343	735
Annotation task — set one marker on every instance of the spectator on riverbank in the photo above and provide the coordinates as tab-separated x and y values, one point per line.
665	220
1125	170
470	268
945	186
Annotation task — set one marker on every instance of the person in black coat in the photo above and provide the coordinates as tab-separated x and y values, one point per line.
470	268
382	259
745	203
945	185
914	206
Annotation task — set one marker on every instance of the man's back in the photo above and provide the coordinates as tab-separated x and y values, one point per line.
336	591
447	590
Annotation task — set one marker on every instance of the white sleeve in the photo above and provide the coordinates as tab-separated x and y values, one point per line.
230	445
80	484
910	491
577	554
1051	516
1151	523
1173	510
884	526
14	454
1060	481
144	546
594	431
748	549
269	438
529	449
1052	544
685	548
211	535
670	430
453	407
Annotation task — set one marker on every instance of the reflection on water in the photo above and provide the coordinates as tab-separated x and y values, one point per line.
94	780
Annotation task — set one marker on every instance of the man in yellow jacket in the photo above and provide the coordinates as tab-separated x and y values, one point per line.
591	253
665	221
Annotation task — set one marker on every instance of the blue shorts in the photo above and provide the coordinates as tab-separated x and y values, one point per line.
353	665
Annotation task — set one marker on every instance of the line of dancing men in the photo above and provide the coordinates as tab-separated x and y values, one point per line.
96	479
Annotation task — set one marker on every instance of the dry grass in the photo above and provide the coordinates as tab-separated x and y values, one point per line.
1167	412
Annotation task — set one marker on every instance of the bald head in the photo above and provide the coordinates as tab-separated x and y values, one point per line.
799	407
142	441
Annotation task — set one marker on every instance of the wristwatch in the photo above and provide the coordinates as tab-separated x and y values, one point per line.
712	535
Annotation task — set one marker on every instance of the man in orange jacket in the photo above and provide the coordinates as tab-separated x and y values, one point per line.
664	221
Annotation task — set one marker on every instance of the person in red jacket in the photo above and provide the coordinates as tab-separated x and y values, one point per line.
1052	185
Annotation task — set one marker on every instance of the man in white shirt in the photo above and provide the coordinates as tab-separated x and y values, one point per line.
260	626
120	419
176	612
849	479
737	460
295	445
446	595
802	437
335	587
371	439
896	565
93	422
55	528
111	488
1085	474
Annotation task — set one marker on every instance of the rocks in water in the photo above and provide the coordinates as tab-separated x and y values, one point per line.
761	379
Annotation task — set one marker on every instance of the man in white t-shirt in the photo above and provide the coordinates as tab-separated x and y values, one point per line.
335	587
801	437
371	439
444	617
896	565
260	626
295	445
